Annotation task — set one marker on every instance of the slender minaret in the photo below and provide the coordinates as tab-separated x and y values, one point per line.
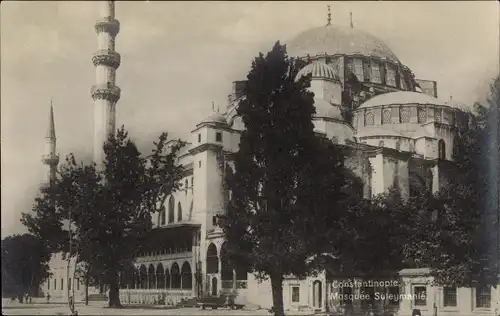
105	92
50	159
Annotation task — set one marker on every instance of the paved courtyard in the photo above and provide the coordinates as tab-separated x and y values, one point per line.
14	308
61	309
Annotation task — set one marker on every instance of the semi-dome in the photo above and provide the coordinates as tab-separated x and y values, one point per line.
216	118
402	97
325	109
318	70
333	40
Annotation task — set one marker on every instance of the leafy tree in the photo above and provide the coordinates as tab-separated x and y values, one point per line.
461	243
109	208
24	265
287	182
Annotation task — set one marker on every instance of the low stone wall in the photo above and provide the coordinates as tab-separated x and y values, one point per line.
154	297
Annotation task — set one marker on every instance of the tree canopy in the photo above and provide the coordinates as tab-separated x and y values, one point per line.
24	265
287	182
109	208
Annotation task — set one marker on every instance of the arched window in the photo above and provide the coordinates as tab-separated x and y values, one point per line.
167	279
151	277
437	115
162	216
405	115
160	276
143	277
175	274
212	259
186	276
441	150
179	212
381	143
171	209
386	117
398	145
422	115
391	76
369	118
376	72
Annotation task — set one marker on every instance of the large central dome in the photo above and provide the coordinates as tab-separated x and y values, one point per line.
333	40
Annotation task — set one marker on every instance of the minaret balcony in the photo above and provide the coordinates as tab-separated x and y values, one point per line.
50	159
107	91
106	57
109	25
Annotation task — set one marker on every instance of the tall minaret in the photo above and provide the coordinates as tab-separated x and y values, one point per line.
105	92
50	159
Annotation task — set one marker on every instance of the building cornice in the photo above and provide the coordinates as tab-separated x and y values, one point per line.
205	147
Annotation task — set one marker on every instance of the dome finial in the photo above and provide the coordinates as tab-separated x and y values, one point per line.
352	25
329	18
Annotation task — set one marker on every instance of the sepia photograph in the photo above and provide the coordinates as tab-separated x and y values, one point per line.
336	158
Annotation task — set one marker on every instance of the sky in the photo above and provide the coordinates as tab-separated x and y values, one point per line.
179	57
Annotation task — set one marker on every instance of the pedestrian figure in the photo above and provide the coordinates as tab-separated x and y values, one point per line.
48	298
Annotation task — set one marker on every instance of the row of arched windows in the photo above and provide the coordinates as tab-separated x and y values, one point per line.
404	116
158	278
171	212
441	148
227	268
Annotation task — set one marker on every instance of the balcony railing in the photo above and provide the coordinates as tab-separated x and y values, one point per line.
106	57
108	25
107	91
50	159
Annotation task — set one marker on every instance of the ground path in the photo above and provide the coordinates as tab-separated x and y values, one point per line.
100	308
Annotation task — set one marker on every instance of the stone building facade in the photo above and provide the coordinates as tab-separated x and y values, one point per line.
400	134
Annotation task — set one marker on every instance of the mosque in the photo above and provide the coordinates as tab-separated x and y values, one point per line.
398	132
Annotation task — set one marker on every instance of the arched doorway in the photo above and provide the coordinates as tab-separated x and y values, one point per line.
317	294
175	274
214	286
212	259
160	276
186	276
151	277
143	277
168	283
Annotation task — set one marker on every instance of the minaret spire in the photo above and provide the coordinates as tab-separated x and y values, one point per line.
50	159
329	16
352	25
51	130
105	93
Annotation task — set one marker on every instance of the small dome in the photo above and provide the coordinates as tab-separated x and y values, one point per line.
402	97
215	118
333	40
327	110
318	70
